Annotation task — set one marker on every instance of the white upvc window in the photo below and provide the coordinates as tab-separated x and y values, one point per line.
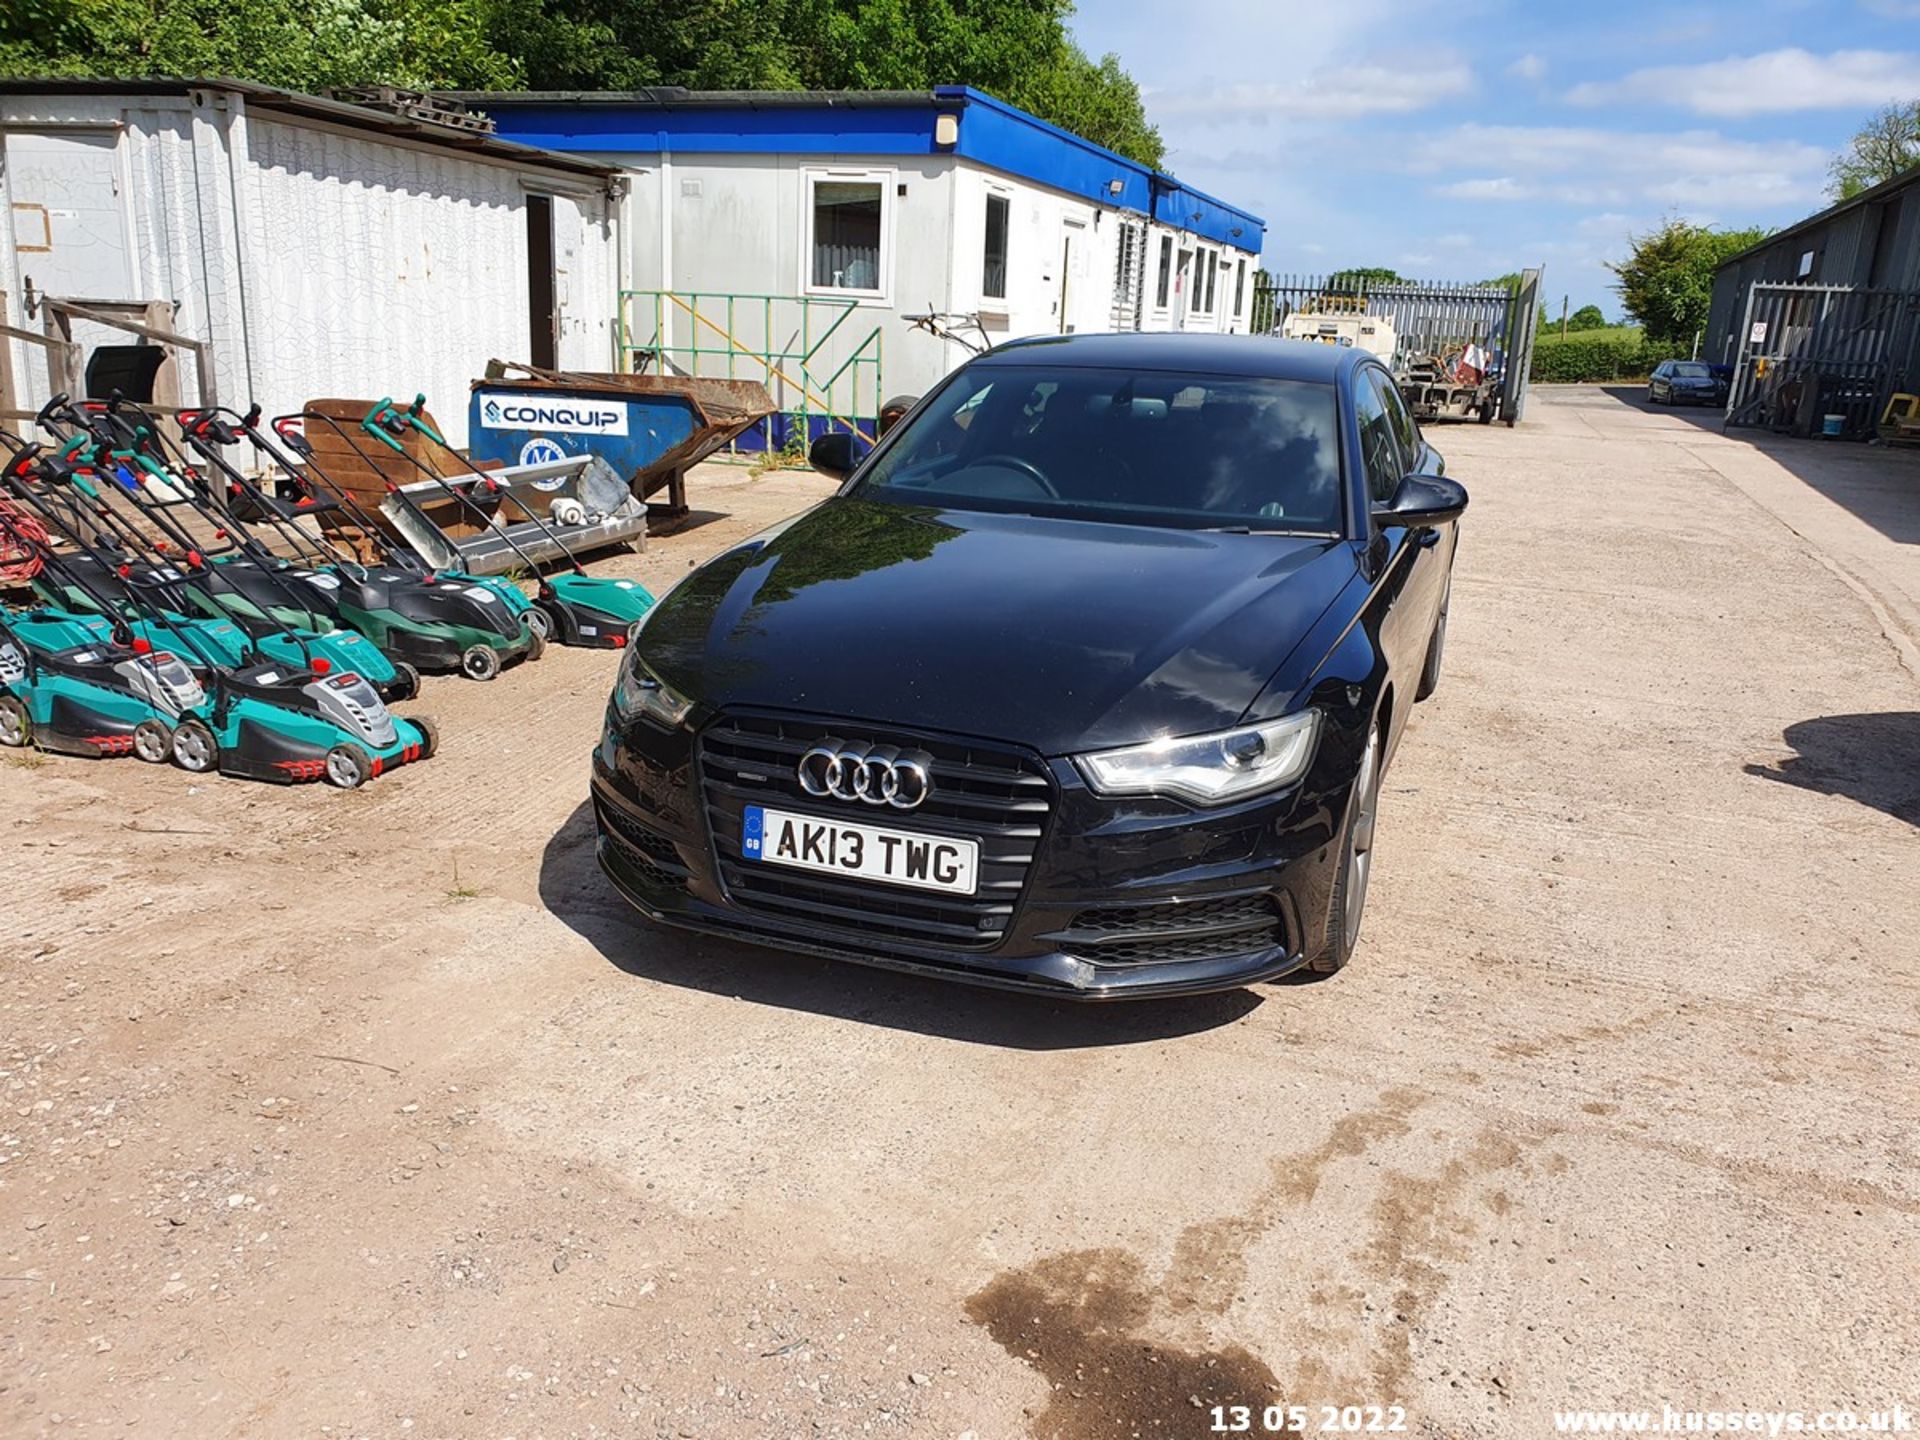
1203	265
847	245
993	251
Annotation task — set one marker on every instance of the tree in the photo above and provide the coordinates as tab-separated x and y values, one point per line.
1587	317
1362	277
1886	145
1018	50
1666	284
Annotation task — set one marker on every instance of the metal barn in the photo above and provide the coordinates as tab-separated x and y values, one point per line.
1820	322
223	241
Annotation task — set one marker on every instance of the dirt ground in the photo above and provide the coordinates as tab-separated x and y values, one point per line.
381	1115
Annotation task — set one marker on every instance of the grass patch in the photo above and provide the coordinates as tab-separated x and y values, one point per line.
458	891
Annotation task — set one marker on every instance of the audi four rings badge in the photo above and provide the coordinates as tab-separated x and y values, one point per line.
874	774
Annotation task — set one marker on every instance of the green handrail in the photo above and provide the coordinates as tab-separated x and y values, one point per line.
836	395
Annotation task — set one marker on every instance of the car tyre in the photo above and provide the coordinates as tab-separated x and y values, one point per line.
1436	648
1356	863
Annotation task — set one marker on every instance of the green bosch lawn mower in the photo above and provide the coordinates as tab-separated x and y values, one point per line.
148	515
573	607
67	494
435	621
88	684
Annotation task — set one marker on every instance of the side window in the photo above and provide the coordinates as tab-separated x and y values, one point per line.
847	240
1406	434
993	270
1379	452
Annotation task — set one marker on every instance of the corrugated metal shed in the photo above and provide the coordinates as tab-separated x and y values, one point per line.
1871	241
318	248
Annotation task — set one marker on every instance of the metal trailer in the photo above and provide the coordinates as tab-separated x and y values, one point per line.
651	429
1431	322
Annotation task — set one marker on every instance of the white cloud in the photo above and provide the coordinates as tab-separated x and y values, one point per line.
1528	67
1588	166
1491	187
1341	92
1456	241
1779	80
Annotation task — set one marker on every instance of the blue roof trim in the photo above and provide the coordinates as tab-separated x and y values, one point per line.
716	130
1019	137
992	133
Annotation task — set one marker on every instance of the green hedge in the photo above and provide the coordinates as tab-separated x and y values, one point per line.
1620	353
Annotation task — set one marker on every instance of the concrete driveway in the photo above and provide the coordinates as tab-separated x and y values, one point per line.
378	1115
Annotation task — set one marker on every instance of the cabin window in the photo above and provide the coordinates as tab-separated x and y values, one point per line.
1163	291
847	238
1239	286
1202	303
1126	269
993	273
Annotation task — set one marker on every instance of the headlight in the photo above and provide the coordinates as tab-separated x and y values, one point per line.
1209	769
639	692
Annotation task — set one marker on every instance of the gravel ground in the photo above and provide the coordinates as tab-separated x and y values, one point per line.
380	1115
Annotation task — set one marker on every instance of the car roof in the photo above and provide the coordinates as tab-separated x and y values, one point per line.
1257	355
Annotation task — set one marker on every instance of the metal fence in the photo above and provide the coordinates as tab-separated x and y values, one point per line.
1428	318
1809	352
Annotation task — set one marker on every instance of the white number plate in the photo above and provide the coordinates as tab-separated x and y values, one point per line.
866	852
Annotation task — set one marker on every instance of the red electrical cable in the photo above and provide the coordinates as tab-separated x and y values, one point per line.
19	559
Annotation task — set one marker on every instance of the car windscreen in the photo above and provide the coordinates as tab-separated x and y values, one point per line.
1688	370
1122	446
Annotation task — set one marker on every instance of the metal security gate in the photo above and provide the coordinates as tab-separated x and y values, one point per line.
1807	352
1430	318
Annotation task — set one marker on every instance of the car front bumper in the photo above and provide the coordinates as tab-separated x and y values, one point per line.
1122	899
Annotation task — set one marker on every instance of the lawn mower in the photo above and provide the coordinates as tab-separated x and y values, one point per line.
84	684
246	582
261	719
65	493
444	621
574	607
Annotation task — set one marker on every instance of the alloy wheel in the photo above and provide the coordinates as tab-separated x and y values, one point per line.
1366	799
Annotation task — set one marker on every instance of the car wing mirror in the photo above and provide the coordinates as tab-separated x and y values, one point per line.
833	454
1422	501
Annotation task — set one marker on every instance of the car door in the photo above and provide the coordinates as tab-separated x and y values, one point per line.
1395	613
1434	561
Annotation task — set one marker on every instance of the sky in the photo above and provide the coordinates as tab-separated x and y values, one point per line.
1462	141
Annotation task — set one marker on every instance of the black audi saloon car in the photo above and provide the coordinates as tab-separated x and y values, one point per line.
1083	682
